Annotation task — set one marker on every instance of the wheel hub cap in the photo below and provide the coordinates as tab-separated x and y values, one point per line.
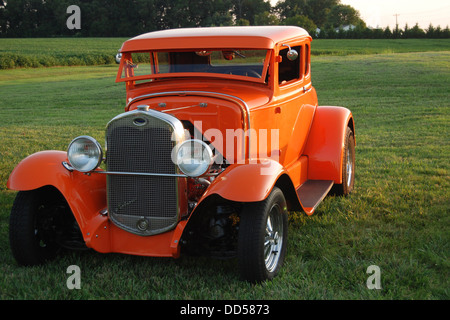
273	239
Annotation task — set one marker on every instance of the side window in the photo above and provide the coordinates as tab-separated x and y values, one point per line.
289	70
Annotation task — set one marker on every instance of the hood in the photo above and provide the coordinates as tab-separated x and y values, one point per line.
253	94
214	114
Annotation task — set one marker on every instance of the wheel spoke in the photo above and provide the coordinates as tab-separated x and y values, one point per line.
273	238
267	250
349	166
269	227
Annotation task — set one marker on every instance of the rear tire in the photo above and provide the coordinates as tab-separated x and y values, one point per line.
263	237
36	217
348	165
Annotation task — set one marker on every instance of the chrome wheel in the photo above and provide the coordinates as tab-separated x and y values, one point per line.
349	166
273	241
263	229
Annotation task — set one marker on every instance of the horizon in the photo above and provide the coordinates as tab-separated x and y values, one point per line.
384	13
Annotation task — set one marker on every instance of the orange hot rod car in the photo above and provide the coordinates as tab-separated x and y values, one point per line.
221	137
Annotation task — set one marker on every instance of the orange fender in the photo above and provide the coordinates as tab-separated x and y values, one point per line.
325	144
85	194
249	182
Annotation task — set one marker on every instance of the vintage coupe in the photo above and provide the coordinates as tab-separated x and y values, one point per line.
221	137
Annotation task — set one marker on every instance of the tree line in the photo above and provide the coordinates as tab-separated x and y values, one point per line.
360	32
118	18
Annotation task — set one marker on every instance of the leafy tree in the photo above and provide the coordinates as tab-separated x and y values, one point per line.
3	18
342	15
396	33
315	10
192	13
416	32
445	33
290	8
405	32
318	10
302	21
377	33
218	13
266	19
107	18
249	9
242	22
387	34
430	31
25	18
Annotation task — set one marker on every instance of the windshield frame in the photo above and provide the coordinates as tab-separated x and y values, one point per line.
126	57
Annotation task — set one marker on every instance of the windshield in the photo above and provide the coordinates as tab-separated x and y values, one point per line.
240	64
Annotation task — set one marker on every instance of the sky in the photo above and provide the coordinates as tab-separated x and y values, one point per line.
380	13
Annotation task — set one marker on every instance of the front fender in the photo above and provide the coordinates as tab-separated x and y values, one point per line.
248	182
85	194
38	170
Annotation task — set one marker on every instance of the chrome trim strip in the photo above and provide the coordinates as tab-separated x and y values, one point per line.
115	173
171	120
307	88
244	106
151	174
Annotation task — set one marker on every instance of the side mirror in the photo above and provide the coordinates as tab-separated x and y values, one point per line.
292	54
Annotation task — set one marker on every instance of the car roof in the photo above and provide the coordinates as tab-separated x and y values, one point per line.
256	37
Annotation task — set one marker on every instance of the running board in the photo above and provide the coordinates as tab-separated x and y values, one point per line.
312	192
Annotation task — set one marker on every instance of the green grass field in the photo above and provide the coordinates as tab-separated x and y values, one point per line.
44	52
397	218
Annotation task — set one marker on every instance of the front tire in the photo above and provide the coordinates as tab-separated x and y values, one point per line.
263	237
36	217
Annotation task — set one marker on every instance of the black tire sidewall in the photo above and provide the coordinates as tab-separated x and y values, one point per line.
252	227
24	244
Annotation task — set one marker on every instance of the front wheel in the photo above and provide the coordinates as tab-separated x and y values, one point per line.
36	218
263	237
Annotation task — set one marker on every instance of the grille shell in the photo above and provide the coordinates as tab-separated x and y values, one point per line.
141	142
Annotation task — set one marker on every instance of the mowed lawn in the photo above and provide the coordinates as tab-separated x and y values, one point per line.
396	219
48	52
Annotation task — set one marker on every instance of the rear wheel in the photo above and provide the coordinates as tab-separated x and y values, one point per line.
37	217
262	237
348	165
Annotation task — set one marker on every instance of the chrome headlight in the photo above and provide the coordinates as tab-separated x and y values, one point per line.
118	57
84	154
193	157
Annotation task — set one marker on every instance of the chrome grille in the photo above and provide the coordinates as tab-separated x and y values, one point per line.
141	142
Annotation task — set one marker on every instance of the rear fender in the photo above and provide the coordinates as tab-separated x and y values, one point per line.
85	194
325	144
